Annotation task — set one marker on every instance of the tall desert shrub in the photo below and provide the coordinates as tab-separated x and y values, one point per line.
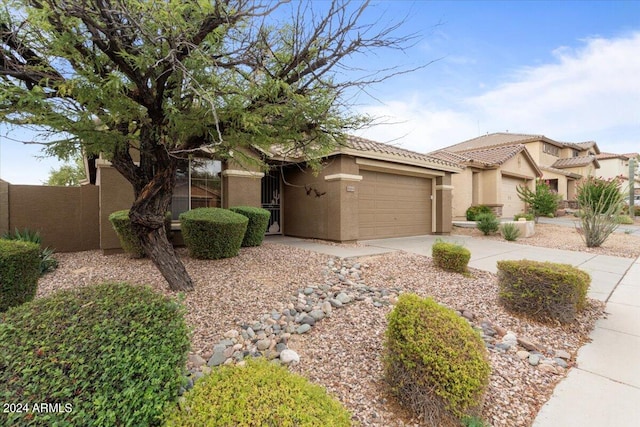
600	202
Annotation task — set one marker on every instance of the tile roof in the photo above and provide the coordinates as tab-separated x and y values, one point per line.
561	172
626	156
488	156
373	149
494	139
572	162
369	146
506	138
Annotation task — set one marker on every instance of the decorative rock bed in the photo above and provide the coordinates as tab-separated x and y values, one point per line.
268	336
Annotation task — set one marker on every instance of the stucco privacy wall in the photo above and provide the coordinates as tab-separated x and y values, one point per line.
320	208
65	217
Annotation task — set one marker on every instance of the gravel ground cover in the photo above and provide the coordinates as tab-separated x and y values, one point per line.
567	238
342	352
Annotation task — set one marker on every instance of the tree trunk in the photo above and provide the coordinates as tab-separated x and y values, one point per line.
161	252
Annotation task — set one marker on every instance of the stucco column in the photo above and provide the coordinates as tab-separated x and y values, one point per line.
4	207
241	188
444	207
342	212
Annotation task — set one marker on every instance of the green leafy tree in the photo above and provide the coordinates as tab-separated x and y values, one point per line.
162	80
69	174
542	202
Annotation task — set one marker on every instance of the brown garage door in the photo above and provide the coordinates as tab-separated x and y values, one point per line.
392	205
511	203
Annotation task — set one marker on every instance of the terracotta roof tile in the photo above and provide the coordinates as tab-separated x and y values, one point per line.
626	156
572	162
493	139
493	155
367	145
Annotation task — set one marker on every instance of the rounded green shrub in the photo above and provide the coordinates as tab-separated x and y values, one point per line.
624	219
544	291
19	272
128	239
213	233
473	211
450	256
109	355
435	363
257	226
487	223
260	393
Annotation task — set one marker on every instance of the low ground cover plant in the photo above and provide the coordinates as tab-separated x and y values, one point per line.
19	272
527	216
260	393
213	233
111	354
543	291
450	256
435	363
257	225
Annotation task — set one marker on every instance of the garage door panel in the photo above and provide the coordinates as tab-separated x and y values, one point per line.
393	205
511	203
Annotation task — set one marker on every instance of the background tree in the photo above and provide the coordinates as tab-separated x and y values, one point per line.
543	201
162	80
69	174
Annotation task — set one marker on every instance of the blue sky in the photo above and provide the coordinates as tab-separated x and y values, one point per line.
567	70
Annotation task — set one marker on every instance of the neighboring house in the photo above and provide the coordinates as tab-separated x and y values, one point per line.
617	166
496	164
364	190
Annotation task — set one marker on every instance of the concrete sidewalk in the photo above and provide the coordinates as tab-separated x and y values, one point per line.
603	390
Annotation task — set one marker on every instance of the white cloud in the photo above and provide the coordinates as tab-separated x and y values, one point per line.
589	93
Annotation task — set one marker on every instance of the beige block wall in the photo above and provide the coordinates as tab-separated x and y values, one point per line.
65	217
4	207
443	200
462	193
116	193
332	215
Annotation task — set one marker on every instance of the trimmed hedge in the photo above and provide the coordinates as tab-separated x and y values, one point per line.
435	363
213	233
473	212
19	272
111	354
544	291
257	226
260	393
450	256
128	239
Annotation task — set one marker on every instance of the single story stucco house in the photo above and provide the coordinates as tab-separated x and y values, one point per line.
365	190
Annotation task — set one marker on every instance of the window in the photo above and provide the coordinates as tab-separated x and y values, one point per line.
197	186
576	153
551	149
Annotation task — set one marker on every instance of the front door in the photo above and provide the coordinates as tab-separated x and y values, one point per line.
271	201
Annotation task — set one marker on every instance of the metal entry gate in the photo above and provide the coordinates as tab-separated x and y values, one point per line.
271	201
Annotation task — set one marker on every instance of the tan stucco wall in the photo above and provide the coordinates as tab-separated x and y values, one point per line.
519	167
310	215
462	193
116	194
443	200
610	168
65	217
4	207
